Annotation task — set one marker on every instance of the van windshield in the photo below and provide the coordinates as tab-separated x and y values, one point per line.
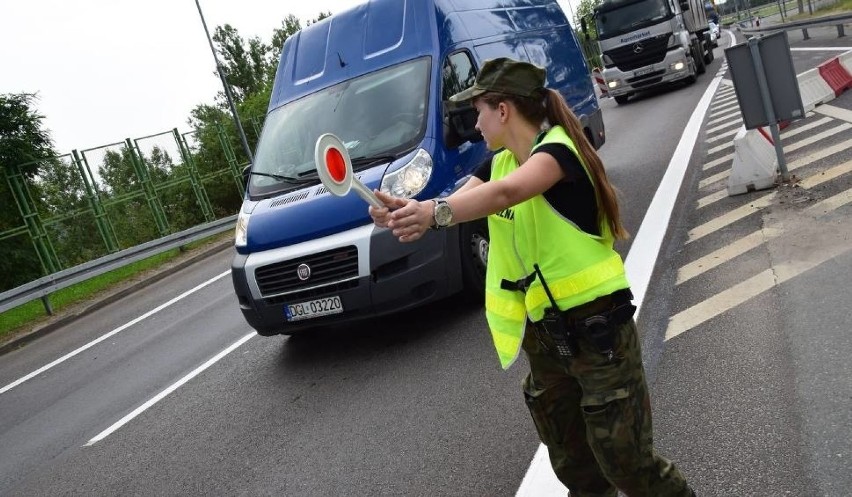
378	115
622	17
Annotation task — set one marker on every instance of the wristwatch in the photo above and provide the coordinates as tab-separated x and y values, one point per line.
442	216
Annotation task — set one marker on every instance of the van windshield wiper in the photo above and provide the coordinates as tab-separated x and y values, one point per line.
372	159
279	177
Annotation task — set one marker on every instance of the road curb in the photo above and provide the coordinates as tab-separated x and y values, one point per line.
23	339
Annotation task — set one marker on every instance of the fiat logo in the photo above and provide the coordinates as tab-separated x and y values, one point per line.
637	48
303	272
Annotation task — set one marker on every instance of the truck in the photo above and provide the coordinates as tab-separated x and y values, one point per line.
379	76
650	43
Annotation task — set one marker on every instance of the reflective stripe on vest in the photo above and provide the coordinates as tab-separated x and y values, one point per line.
577	266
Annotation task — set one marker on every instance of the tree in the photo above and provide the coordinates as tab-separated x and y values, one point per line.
23	141
246	65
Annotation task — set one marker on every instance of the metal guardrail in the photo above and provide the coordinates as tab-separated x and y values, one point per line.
46	285
835	20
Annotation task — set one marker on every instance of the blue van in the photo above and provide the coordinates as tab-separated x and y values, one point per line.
378	76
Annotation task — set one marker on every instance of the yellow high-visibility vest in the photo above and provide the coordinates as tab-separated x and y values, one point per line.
578	267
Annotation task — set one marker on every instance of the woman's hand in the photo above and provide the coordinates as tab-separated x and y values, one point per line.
407	218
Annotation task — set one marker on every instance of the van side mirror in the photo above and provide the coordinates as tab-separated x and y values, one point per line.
460	125
583	26
246	175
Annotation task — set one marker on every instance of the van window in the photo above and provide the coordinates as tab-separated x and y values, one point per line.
377	114
458	74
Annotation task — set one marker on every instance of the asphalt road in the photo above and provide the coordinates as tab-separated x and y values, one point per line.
413	404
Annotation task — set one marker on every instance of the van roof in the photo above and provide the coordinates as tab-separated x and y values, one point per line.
387	32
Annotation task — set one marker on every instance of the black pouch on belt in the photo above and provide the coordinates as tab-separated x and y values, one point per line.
601	330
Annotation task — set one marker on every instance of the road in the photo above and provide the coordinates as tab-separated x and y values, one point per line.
177	396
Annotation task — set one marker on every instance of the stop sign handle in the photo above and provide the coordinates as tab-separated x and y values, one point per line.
334	168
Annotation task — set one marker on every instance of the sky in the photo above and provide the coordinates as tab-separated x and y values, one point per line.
106	70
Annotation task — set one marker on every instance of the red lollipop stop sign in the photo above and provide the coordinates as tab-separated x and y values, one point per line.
335	170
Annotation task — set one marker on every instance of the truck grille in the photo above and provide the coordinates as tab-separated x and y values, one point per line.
652	50
326	268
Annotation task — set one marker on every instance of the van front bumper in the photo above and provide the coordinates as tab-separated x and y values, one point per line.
674	67
389	277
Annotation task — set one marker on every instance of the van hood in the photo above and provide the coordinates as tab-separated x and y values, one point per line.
306	214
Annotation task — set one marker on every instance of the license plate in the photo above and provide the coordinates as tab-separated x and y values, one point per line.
642	72
313	308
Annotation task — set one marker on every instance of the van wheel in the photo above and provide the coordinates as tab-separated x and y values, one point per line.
473	237
621	99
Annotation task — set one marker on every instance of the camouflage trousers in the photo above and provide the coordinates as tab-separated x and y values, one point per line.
594	416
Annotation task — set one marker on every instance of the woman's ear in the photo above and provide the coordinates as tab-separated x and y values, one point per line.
503	109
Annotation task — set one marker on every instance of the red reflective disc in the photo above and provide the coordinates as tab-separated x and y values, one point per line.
335	164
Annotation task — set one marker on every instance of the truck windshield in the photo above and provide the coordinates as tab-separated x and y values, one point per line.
622	17
377	115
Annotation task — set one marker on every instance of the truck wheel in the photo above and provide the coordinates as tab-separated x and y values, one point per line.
621	99
473	237
708	55
698	57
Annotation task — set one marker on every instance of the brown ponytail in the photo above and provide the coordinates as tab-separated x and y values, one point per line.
557	112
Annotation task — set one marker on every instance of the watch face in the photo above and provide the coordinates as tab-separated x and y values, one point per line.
443	214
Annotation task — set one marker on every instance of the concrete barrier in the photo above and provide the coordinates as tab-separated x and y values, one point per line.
837	77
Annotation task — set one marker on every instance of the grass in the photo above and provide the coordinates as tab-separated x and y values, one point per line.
33	312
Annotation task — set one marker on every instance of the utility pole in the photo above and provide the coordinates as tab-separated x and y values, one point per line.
228	95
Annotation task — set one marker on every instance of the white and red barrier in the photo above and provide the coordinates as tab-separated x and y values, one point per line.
600	81
755	165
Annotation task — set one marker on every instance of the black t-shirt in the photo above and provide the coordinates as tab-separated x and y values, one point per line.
573	197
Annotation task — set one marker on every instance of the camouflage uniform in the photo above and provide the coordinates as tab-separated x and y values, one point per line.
594	416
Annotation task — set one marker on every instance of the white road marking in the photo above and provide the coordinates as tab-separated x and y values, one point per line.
731	217
716	162
724	108
827	175
722	136
725	254
709	180
830	204
835	112
719	119
820	49
735	121
540	481
713	197
174	386
111	333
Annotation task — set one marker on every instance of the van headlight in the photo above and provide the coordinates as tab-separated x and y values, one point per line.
410	179
241	235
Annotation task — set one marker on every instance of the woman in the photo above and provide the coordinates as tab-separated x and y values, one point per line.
554	287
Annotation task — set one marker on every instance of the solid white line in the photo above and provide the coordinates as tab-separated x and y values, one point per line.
111	333
539	480
160	396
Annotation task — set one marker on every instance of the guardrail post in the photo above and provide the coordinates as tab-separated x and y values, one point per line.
840	32
805	33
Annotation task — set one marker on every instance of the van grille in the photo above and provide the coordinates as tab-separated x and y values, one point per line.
653	50
329	267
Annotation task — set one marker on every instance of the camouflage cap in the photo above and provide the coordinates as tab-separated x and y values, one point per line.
504	75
